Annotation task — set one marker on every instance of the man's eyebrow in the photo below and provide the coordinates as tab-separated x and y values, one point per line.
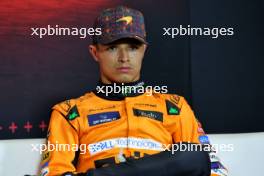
134	44
112	44
109	45
126	41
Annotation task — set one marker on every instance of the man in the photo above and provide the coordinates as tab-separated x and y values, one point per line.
126	129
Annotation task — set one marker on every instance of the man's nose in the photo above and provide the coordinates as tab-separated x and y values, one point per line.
123	55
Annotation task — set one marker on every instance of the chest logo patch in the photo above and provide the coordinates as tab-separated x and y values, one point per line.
99	118
149	114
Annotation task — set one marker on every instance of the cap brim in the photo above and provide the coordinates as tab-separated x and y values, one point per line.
115	38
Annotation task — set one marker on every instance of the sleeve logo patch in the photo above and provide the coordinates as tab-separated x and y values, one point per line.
172	109
204	139
96	119
73	113
175	99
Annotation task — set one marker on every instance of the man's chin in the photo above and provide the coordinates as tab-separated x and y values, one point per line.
125	79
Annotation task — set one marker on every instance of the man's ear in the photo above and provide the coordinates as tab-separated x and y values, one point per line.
94	52
145	47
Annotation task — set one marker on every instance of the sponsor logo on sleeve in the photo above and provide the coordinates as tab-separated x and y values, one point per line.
45	156
45	165
44	171
65	105
220	172
172	109
213	157
204	139
175	99
200	129
74	113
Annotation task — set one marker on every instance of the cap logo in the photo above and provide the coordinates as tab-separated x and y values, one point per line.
128	19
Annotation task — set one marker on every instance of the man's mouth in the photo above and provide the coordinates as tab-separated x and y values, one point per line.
124	69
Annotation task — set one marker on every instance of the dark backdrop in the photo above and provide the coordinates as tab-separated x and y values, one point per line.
221	78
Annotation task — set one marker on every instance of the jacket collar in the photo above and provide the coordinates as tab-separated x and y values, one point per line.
119	91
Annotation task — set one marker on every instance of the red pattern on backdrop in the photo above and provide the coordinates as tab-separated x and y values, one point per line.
17	16
22	59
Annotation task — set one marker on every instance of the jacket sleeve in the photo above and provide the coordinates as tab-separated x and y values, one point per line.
161	164
62	142
189	129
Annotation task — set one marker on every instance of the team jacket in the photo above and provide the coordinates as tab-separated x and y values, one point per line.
93	131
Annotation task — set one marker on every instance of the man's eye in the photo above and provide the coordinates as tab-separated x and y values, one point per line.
111	48
133	47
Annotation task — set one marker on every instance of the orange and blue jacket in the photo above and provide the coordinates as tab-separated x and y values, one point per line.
93	131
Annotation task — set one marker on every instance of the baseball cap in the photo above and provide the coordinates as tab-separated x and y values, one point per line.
120	22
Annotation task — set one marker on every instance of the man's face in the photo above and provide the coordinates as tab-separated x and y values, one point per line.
119	61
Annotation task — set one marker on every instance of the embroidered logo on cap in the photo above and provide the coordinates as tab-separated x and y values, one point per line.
128	19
